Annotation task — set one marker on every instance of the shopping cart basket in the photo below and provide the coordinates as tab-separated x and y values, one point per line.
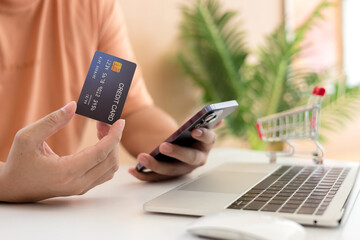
295	124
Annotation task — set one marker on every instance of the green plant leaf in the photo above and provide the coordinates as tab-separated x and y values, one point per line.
214	55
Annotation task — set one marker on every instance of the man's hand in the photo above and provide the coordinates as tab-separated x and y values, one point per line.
34	172
188	158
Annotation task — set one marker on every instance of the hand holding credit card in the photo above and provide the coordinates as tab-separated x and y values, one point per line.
106	87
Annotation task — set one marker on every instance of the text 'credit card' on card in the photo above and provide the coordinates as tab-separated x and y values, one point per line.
106	87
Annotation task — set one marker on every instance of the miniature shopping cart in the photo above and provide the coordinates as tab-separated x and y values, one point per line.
295	124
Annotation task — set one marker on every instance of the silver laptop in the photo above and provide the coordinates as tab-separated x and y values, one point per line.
310	195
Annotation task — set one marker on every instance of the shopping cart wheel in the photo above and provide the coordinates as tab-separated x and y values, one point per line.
318	160
272	156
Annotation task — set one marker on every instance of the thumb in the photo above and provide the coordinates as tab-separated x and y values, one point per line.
102	129
50	124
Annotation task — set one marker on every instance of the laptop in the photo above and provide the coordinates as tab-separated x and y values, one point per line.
308	194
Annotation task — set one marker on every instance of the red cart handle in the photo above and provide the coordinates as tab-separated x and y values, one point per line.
319	91
258	127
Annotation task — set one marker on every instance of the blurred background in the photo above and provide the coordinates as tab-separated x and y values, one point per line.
329	50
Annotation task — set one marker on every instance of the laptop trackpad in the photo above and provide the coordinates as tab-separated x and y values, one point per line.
224	182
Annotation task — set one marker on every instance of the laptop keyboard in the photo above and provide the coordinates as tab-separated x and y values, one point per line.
294	189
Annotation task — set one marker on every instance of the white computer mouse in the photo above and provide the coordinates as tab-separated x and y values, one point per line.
247	225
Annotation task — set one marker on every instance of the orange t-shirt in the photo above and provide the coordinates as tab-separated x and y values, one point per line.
45	51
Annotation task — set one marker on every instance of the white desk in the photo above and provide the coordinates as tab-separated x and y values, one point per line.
114	211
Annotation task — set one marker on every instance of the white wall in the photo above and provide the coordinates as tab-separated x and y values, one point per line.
351	18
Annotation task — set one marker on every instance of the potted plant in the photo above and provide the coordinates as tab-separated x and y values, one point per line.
214	55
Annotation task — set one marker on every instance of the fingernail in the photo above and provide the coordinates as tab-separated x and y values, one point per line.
166	148
131	171
68	107
198	132
143	160
122	124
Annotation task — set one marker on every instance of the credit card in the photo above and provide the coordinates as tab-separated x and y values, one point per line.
106	87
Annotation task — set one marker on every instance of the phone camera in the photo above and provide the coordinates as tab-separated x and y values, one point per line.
211	117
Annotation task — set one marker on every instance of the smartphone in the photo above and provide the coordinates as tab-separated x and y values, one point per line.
208	117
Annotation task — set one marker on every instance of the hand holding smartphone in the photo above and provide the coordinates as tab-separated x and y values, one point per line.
208	117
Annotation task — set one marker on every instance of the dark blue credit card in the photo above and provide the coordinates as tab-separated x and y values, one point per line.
106	87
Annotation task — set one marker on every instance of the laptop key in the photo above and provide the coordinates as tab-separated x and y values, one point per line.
265	183
287	210
277	202
307	210
255	205
271	207
262	199
234	206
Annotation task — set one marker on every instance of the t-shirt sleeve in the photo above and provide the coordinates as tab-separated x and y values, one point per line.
114	40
